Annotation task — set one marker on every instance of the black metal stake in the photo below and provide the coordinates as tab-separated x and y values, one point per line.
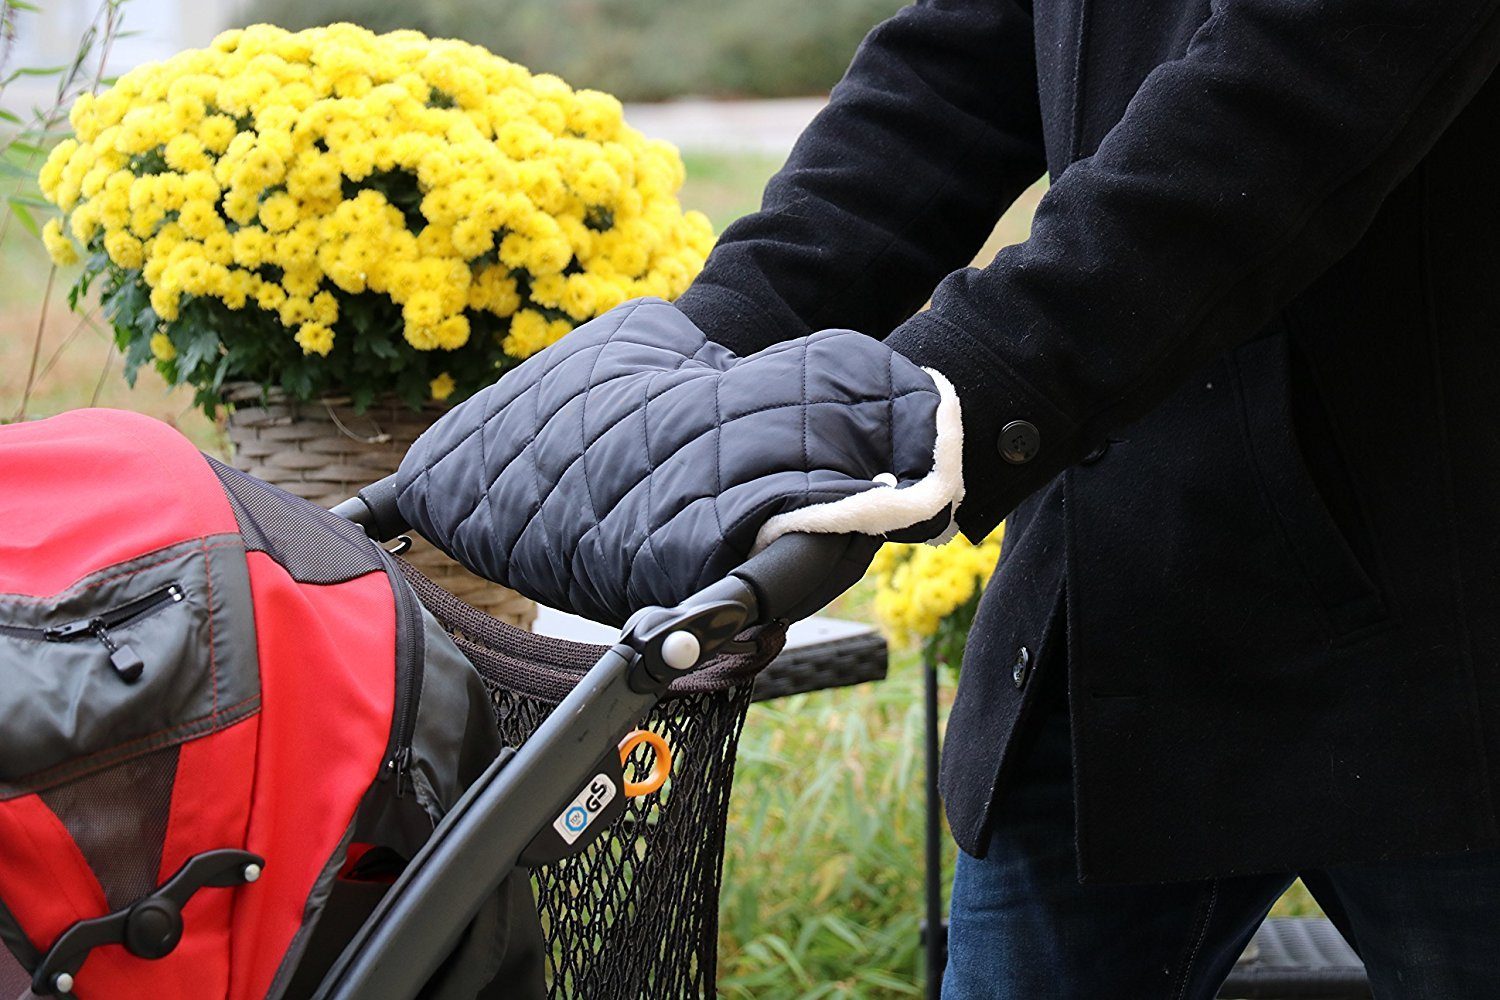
935	935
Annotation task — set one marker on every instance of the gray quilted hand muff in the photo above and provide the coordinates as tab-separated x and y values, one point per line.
635	462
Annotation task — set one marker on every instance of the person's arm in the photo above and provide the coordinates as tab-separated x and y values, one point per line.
933	132
1237	174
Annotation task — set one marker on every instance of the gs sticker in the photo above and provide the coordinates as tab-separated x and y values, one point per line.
581	811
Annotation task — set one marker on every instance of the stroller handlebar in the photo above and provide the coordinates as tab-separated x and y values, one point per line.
797	575
791	578
374	509
481	840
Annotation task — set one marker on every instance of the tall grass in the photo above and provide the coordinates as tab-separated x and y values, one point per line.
29	136
823	870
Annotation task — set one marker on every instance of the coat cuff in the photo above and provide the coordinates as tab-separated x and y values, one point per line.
1015	440
735	320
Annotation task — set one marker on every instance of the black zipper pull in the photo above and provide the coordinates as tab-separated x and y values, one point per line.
68	632
126	661
399	767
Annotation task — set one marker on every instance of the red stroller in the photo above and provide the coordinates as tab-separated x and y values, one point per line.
246	752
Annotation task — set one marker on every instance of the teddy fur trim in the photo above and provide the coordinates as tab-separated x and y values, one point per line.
883	508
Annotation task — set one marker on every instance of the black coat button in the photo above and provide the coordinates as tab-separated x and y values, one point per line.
1019	442
1022	669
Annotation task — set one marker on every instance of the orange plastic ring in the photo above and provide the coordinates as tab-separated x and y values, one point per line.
661	766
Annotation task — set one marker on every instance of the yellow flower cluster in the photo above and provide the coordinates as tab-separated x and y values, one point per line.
289	172
918	586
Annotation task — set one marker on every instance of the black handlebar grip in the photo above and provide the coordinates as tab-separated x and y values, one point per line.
374	509
798	575
385	520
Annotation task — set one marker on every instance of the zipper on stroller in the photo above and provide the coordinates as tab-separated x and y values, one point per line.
409	632
409	641
125	660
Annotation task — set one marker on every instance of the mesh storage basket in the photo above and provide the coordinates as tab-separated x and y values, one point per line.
636	914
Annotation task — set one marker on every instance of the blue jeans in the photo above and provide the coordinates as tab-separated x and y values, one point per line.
1023	928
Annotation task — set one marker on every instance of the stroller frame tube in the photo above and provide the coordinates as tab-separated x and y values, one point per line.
480	842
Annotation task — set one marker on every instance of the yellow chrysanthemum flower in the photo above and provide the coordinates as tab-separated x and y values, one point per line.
279	175
918	586
315	338
59	247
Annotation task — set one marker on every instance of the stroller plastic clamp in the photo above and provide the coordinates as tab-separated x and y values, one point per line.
151	927
671	641
661	765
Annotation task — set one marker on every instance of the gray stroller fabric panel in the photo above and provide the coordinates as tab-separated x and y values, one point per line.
137	657
635	461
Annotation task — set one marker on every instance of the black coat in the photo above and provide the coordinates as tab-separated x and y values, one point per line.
1257	330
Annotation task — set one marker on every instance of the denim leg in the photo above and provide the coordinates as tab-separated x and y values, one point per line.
1427	929
1023	928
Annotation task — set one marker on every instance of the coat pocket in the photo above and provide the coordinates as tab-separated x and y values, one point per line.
1315	540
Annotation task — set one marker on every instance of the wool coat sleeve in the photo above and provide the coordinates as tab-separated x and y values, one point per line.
1237	174
932	133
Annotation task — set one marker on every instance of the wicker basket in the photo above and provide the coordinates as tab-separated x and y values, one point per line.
325	452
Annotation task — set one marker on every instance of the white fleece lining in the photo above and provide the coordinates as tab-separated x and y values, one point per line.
890	508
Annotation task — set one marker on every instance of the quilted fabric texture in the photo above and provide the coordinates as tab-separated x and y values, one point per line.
635	462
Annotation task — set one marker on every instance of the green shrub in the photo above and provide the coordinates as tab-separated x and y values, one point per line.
636	49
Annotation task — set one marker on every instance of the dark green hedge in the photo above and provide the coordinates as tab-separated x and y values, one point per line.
636	49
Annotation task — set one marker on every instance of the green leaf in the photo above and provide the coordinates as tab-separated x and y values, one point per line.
221	371
382	348
137	353
24	214
202	348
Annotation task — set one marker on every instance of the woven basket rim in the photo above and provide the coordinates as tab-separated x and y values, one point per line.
241	391
319	450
